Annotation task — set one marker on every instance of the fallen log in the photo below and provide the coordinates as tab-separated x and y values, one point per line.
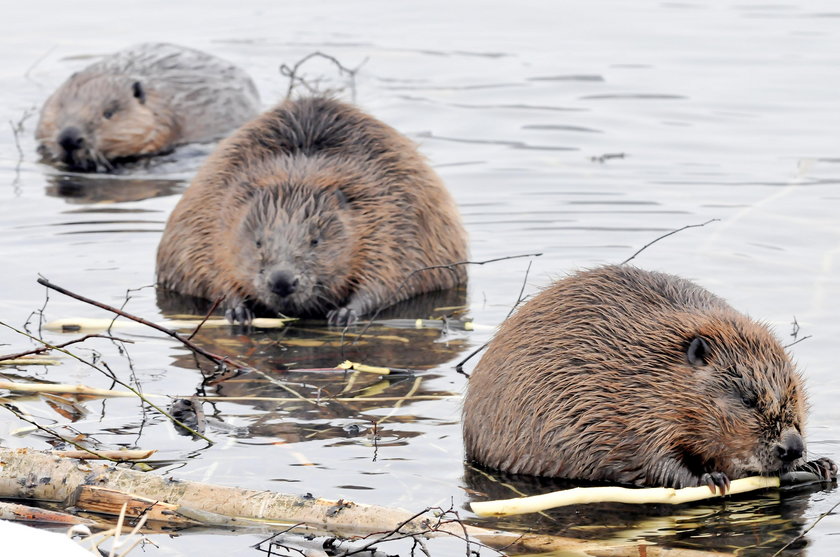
42	476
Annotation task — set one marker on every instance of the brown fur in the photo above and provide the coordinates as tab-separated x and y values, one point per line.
594	379
143	101
321	191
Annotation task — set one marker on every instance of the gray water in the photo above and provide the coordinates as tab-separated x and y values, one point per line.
581	130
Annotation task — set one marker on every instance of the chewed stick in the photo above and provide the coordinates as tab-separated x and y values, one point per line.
610	494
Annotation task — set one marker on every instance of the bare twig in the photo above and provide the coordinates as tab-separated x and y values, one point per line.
68	343
459	367
806	337
40	313
17	131
643	248
125	303
296	79
36	62
216	359
112	376
808	529
207	316
55	434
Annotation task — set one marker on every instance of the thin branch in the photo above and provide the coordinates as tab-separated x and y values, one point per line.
68	343
48	431
459	367
216	359
808	529
806	337
643	248
295	79
113	377
207	316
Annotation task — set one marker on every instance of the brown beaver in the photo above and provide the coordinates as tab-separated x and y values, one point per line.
142	101
623	375
314	207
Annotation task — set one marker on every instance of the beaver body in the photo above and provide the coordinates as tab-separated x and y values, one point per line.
143	101
622	375
313	208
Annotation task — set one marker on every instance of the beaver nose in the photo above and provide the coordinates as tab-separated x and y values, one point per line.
71	139
282	283
791	448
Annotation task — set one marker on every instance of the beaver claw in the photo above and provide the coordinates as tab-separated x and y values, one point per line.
716	479
239	314
823	468
342	317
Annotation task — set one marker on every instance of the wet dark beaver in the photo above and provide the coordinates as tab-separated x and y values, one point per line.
622	375
142	101
313	208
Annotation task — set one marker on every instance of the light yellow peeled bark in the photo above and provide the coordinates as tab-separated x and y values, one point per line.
610	494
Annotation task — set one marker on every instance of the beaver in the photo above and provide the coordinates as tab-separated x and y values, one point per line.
313	208
623	375
142	101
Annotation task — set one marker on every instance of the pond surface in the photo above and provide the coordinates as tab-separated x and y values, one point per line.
579	130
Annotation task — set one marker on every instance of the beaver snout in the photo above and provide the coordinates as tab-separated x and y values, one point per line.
283	283
790	448
71	140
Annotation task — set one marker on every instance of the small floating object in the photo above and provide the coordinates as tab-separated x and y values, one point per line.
355	366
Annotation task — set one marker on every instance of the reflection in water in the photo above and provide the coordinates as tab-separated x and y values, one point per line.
295	390
86	189
749	524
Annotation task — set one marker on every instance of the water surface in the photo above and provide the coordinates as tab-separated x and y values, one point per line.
581	130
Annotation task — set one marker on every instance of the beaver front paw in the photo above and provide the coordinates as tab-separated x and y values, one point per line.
239	314
342	317
717	480
824	468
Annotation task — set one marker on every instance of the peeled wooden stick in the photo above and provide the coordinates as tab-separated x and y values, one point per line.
610	494
21	387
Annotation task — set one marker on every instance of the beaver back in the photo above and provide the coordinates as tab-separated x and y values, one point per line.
629	376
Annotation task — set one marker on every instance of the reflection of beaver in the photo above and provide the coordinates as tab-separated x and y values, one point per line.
143	101
312	208
628	376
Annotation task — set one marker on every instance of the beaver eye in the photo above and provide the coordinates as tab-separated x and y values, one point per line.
259	244
750	400
315	241
108	114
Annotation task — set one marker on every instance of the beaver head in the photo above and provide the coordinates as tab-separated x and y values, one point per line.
91	121
739	407
294	247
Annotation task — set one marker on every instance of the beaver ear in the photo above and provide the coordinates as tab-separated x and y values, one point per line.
343	202
139	93
698	352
